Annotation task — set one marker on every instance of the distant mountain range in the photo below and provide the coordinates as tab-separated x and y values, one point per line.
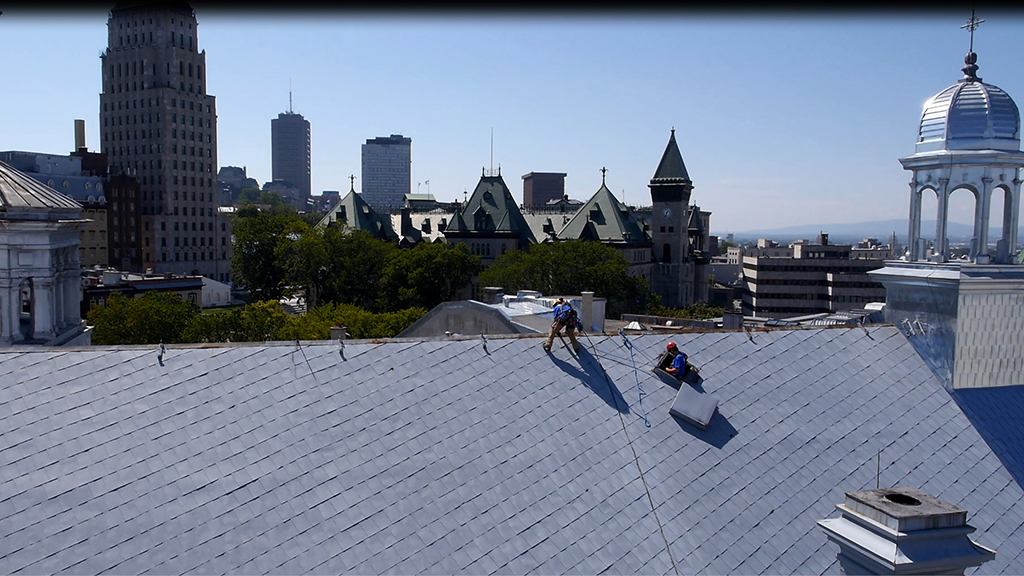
851	233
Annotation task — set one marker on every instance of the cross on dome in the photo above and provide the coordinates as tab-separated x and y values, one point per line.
970	69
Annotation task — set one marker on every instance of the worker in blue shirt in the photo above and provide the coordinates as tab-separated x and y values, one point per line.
564	317
680	367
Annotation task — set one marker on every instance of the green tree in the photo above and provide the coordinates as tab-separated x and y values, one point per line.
248	196
264	321
359	323
155	317
257	322
425	275
571	267
254	195
254	261
336	265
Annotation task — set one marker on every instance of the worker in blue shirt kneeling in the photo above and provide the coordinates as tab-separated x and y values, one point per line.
680	367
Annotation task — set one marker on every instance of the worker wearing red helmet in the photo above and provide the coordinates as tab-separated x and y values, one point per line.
679	366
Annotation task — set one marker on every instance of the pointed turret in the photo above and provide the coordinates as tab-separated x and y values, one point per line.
671	181
671	170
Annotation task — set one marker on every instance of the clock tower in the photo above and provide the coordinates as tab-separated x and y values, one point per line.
672	276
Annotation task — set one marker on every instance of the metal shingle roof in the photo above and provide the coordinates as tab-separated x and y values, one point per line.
20	192
442	456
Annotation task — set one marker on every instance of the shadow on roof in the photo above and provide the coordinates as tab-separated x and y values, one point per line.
594	378
995	413
718	434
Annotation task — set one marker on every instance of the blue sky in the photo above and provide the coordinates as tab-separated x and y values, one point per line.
782	118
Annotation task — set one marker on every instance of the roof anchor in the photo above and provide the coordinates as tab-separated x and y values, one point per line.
160	353
484	339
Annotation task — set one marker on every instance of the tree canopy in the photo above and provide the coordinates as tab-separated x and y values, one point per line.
153	318
571	267
164	317
254	261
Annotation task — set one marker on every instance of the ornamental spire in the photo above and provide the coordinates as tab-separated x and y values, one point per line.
970	68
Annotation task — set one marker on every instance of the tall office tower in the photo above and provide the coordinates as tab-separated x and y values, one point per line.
160	126
540	188
289	150
387	171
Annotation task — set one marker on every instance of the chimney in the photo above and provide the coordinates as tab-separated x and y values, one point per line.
493	294
338	332
903	530
587	311
732	320
80	135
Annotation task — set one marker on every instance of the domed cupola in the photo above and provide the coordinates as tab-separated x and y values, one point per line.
969	138
970	115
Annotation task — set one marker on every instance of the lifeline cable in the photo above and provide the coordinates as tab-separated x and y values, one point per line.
636	376
311	373
636	458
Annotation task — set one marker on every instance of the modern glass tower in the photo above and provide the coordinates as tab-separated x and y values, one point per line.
387	171
289	150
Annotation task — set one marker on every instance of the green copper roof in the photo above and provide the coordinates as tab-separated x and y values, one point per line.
491	210
671	168
695	224
354	212
604	218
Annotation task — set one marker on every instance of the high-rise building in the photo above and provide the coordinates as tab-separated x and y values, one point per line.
540	188
289	150
160	126
387	171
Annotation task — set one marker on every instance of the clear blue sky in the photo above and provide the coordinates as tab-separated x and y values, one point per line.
782	118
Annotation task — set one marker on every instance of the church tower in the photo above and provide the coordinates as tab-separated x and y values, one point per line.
672	277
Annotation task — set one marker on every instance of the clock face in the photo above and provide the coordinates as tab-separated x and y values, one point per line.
667	212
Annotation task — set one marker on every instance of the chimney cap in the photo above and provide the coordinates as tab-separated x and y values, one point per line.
905	508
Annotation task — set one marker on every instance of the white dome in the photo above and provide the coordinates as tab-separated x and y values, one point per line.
970	115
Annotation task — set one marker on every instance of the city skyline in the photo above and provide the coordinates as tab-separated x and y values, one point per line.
782	118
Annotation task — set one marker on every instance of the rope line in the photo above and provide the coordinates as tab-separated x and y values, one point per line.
311	373
636	376
636	458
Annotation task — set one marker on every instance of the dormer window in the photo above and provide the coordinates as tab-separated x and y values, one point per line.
480	219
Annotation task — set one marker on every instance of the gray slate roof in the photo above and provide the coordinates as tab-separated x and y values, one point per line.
20	192
449	456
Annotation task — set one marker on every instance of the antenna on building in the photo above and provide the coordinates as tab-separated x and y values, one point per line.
289	95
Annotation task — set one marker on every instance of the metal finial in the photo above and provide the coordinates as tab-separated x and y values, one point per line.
603	170
970	69
673	131
352	182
